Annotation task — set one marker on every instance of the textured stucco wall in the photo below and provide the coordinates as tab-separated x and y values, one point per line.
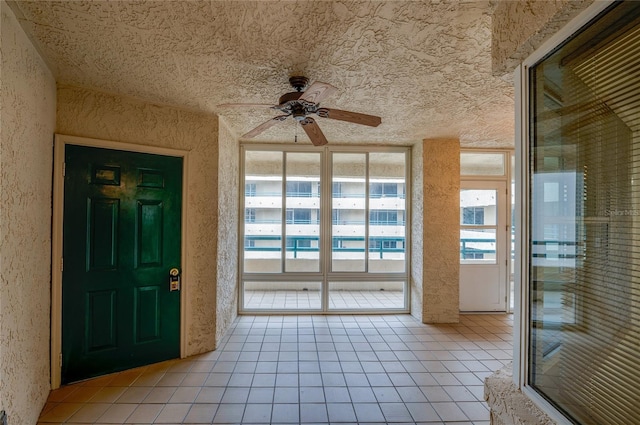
27	111
441	235
98	115
508	405
228	184
520	27
417	231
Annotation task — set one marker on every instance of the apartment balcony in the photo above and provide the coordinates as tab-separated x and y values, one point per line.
346	201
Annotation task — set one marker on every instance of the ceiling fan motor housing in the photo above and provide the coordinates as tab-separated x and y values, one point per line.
290	103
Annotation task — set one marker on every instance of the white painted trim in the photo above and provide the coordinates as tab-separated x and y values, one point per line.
521	235
60	143
567	31
324	275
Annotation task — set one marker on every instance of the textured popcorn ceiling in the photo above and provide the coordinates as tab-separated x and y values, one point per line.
423	66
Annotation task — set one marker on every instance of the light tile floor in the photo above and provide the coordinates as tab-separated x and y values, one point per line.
307	370
338	300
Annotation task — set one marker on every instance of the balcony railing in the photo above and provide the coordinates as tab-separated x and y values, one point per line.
337	195
334	222
376	244
464	249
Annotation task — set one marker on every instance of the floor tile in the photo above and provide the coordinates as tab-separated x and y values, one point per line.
337	395
201	414
261	395
61	413
117	414
160	395
257	413
395	412
145	414
89	413
108	394
229	414
387	395
235	395
173	413
210	395
368	412
449	412
310	380
362	395
475	410
341	412
285	414
312	395
286	395
422	412
277	370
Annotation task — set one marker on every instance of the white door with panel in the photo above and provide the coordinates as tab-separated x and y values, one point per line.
483	246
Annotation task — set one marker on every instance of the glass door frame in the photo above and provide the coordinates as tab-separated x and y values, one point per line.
324	276
502	236
508	176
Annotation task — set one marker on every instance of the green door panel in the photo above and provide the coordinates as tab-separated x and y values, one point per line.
122	235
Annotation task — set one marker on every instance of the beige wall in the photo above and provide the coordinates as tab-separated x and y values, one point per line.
441	231
228	186
98	115
27	102
520	27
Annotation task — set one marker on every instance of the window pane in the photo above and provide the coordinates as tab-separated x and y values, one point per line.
477	246
387	228
478	207
303	212
263	212
348	210
585	227
482	164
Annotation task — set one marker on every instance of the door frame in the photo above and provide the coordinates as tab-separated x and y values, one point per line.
503	248
60	143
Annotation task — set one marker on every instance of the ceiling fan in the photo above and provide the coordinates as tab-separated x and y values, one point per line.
301	103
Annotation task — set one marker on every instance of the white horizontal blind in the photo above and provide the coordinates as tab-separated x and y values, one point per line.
585	223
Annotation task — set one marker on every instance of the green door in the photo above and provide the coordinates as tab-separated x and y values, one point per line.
122	230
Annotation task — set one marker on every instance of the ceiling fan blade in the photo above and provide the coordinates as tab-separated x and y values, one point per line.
313	131
354	117
264	126
317	92
245	105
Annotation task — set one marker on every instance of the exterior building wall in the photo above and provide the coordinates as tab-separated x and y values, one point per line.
27	124
441	188
87	113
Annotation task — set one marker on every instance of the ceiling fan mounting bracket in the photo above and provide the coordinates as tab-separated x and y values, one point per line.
298	82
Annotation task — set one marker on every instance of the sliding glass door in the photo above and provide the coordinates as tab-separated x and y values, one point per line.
324	230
